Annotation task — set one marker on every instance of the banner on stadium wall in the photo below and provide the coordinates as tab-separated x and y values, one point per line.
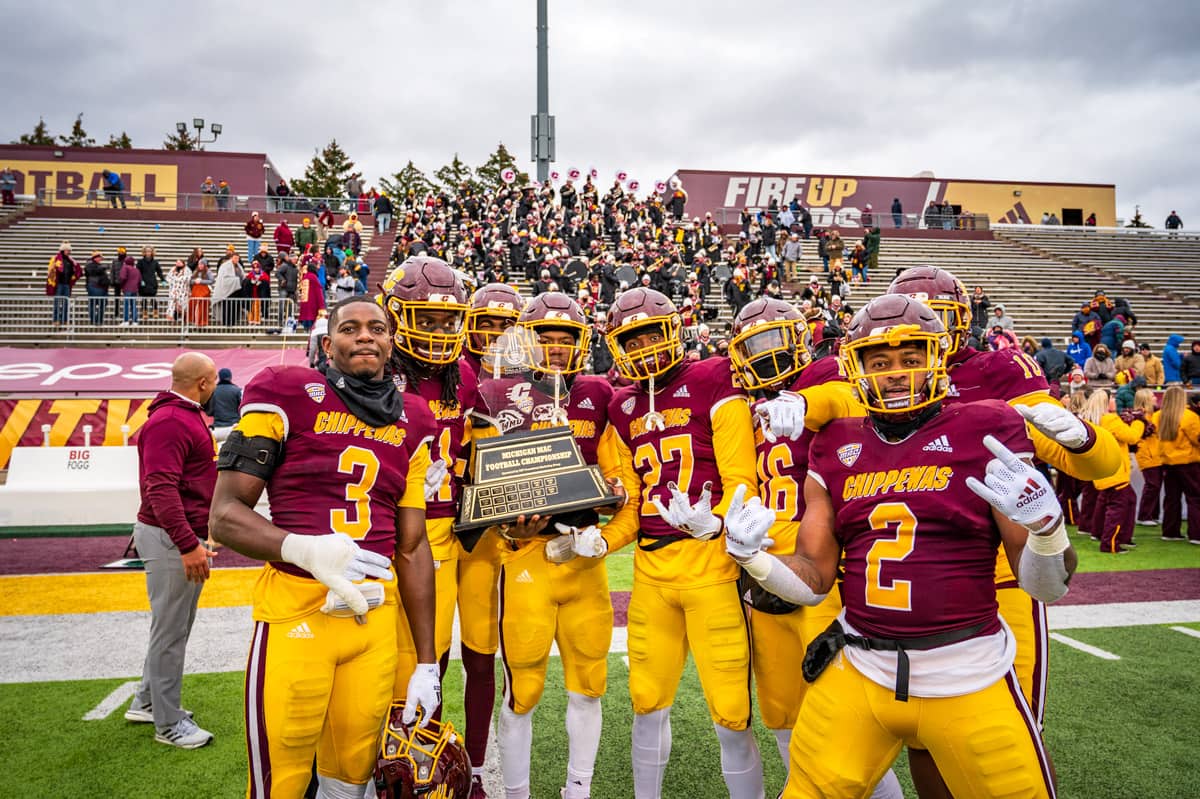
104	388
842	199
72	181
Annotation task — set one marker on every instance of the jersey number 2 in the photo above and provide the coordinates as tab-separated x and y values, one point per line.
356	522
895	594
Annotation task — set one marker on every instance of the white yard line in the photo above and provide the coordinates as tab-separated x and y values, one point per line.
113	701
1187	631
1082	647
80	646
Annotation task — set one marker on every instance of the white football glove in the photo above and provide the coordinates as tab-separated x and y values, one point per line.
696	520
586	542
435	475
560	549
783	416
746	526
1056	422
367	564
327	558
425	692
1017	490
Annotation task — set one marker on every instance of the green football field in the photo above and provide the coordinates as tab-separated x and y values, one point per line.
1125	727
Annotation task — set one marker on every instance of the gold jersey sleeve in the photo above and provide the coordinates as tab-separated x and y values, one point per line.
733	448
828	401
622	527
414	488
261	423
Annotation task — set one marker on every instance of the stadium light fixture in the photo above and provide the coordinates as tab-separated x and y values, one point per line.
215	128
181	127
197	123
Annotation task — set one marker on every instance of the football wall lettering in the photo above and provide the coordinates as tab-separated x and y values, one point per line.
22	422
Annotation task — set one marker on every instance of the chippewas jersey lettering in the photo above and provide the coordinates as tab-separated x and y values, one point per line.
897	481
673	417
442	411
581	428
339	423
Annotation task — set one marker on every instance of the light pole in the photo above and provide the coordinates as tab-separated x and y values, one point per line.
198	124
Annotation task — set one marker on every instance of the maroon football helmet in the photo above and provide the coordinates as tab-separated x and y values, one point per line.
417	762
420	286
556	311
942	292
496	301
771	344
894	321
638	311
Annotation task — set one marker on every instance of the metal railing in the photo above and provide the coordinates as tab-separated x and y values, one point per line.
856	217
82	314
1146	232
198	201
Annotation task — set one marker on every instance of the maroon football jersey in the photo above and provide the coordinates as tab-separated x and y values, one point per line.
919	547
518	402
782	465
682	453
451	435
1000	374
338	474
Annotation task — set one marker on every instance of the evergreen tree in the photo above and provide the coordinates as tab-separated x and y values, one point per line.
182	142
488	175
326	174
78	136
122	142
408	179
454	175
40	135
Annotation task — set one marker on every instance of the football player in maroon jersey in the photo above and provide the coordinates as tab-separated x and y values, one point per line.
554	582
687	431
494	309
919	650
770	353
343	458
427	304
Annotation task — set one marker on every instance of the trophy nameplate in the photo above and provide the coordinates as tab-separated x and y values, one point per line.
526	473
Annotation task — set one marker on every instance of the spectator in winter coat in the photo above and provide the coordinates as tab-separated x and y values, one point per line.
1088	323
254	230
1100	369
1121	308
1154	365
95	272
791	256
131	279
1190	370
284	240
306	235
1112	334
1054	362
1129	360
1078	350
979	305
1172	361
1000	317
1103	306
61	276
1001	339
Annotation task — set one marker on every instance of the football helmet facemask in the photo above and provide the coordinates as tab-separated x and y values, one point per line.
549	312
427	304
427	762
894	320
635	313
496	301
771	344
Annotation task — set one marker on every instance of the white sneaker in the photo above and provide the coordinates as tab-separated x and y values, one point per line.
185	734
1148	523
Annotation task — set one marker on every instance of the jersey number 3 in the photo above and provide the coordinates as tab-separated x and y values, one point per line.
356	522
894	594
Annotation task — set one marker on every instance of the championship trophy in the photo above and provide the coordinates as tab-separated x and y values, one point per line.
528	472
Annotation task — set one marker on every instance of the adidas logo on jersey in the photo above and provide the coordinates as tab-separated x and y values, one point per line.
525	576
939	444
301	630
681	392
587	405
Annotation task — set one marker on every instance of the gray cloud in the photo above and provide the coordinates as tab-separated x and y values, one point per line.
1028	91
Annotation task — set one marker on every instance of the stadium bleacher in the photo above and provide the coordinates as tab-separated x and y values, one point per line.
1040	274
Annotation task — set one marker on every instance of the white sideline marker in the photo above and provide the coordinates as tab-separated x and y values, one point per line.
1187	631
113	701
1082	647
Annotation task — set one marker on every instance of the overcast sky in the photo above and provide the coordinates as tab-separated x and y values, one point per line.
1059	91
